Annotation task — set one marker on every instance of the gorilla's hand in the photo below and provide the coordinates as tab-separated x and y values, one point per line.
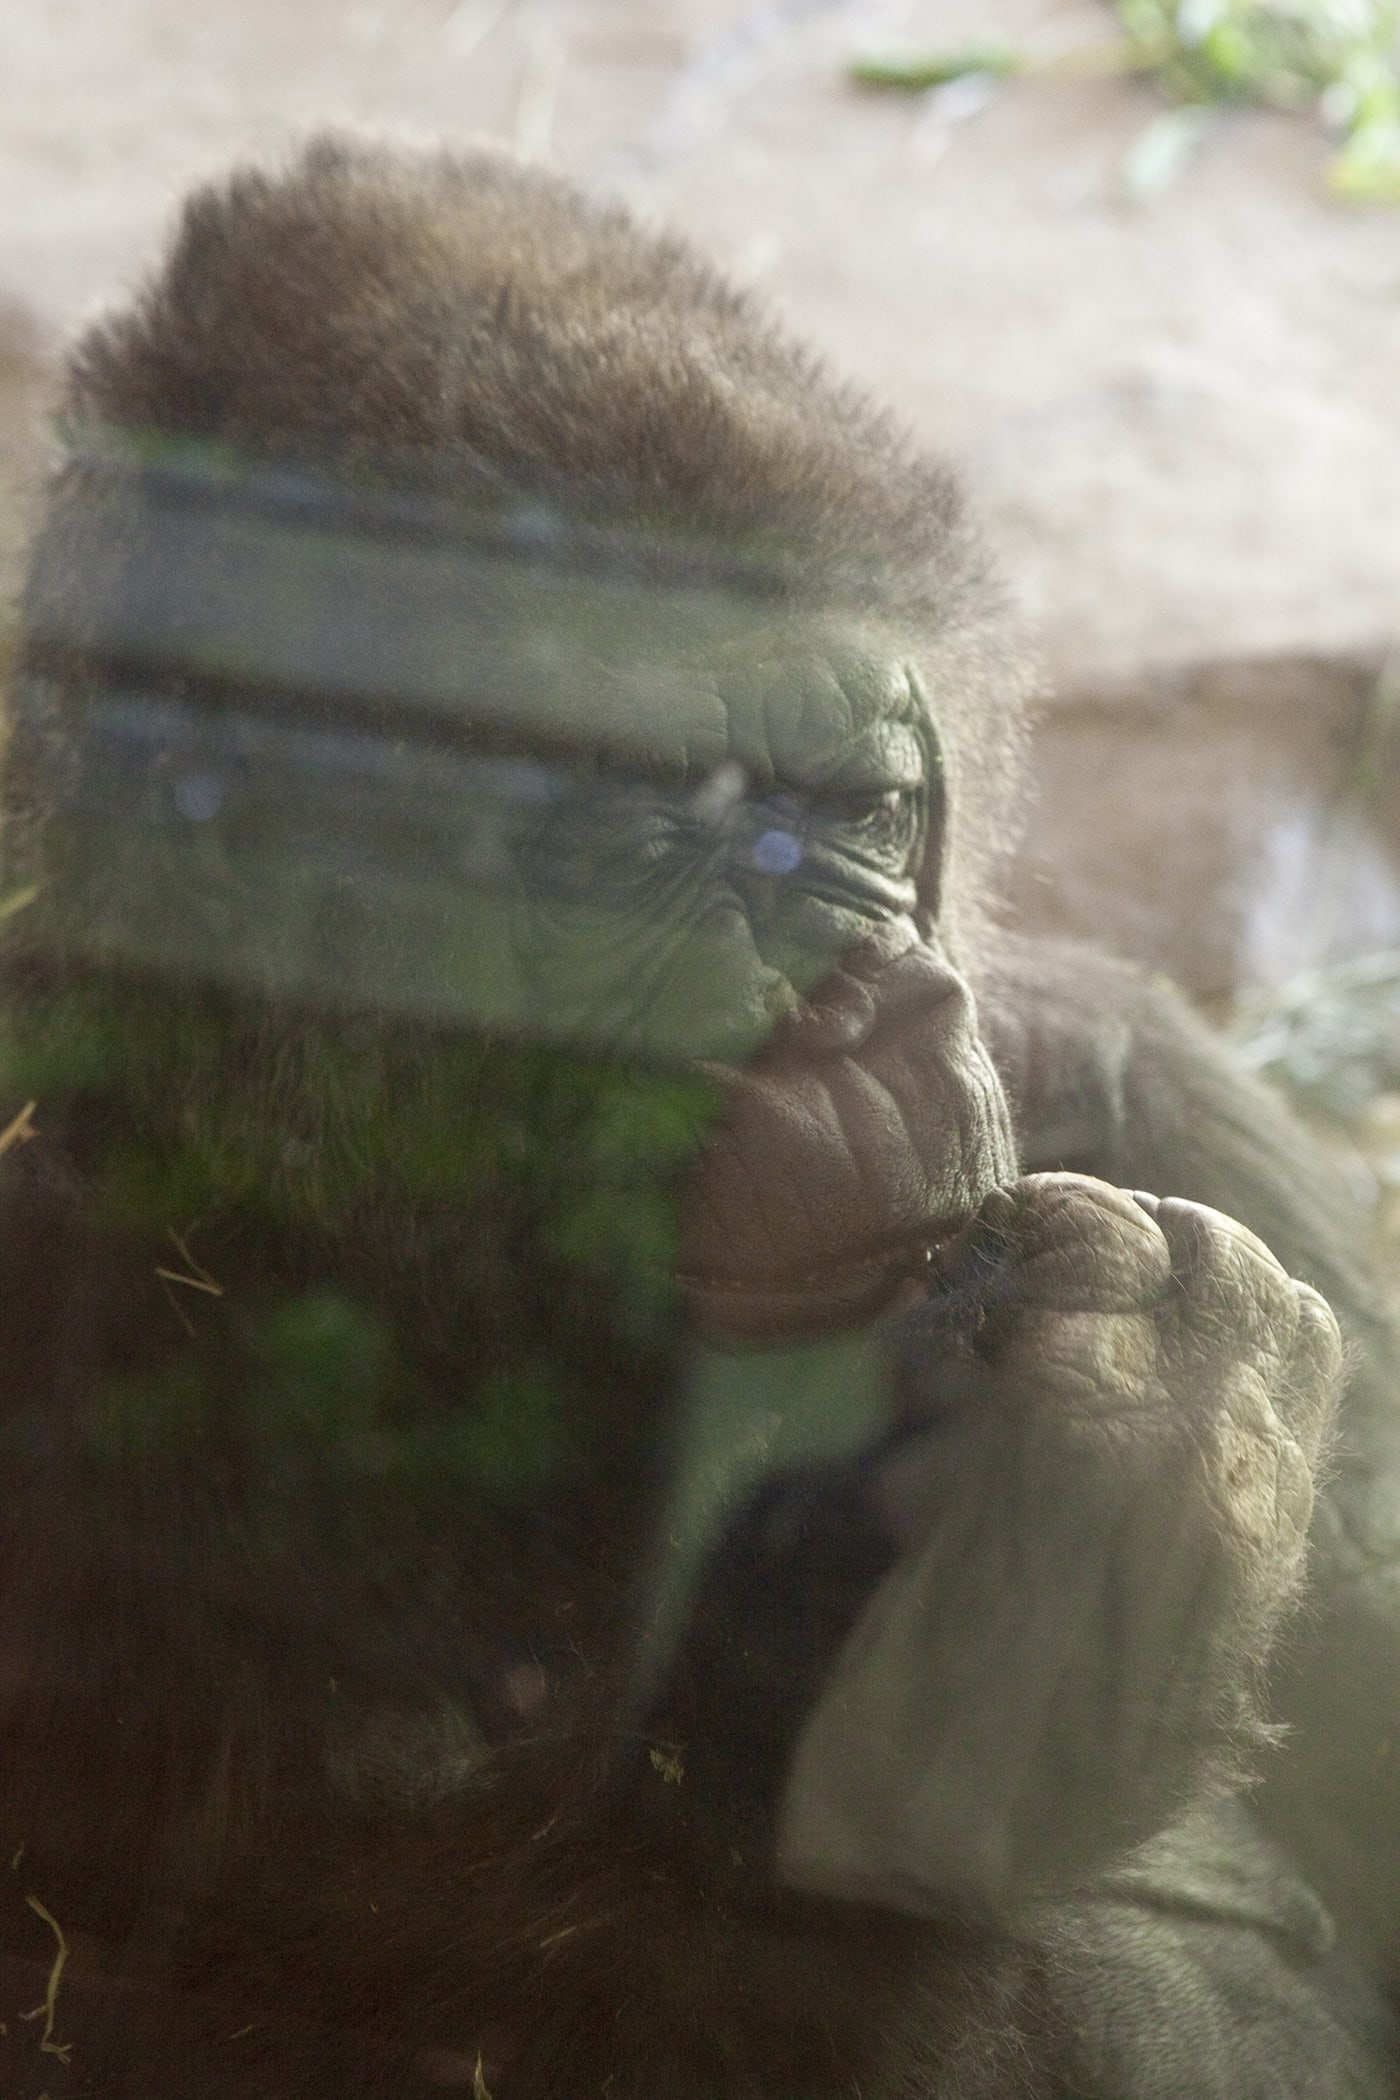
1113	1406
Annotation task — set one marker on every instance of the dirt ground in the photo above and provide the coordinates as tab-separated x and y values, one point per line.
1182	419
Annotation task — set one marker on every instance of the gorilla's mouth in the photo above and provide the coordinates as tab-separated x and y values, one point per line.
854	1284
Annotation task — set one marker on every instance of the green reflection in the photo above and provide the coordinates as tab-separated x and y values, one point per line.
358	1256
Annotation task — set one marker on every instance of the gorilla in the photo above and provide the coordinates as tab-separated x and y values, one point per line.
643	1454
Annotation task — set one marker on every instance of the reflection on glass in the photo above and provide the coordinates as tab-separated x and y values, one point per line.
408	880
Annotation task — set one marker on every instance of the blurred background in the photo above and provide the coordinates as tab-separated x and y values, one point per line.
1164	350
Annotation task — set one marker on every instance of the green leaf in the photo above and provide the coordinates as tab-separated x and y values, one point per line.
930	69
1161	151
1367	170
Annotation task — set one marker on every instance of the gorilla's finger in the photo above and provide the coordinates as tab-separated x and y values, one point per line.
1232	1299
1061	1242
1313	1374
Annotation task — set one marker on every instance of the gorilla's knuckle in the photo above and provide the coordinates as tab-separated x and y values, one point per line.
1215	1254
1231	1301
1071	1243
1319	1352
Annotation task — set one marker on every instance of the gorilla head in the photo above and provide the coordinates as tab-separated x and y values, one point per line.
822	727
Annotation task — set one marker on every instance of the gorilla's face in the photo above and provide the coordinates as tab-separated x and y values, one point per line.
603	796
762	903
764	807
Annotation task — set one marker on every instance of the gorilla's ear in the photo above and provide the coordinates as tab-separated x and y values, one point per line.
934	868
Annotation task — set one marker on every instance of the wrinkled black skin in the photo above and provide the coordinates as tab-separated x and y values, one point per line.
596	1952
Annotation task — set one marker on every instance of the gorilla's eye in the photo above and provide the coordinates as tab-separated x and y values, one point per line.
882	825
876	811
657	839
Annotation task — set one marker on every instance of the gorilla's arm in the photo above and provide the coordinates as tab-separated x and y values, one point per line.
1110	1073
1222	1961
530	1919
1101	1501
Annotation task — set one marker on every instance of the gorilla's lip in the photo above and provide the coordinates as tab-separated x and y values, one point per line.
860	1283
